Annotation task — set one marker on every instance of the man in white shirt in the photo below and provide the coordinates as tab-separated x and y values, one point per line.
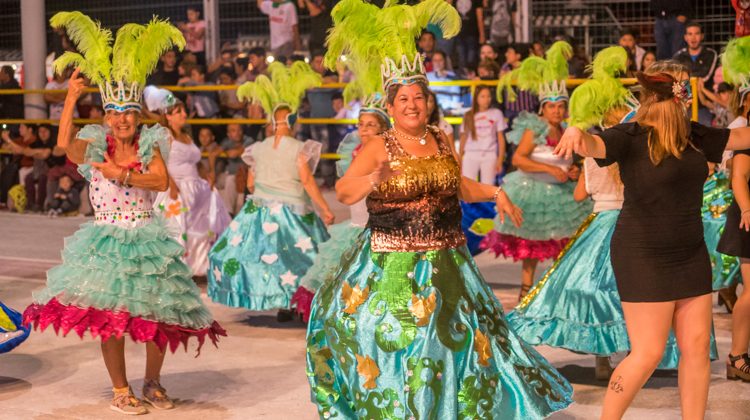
282	22
56	100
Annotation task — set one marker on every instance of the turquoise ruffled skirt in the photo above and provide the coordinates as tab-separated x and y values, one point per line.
421	335
717	197
258	261
116	280
575	305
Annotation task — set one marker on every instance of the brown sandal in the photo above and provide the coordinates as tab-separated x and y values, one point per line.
741	372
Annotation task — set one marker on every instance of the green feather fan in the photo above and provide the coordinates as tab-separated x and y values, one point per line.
735	61
92	39
534	72
286	85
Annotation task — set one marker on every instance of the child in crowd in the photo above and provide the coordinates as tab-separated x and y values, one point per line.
482	147
66	199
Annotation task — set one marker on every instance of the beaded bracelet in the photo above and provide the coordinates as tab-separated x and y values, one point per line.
497	193
127	178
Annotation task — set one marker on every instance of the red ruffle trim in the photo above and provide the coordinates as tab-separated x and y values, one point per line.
106	324
302	301
520	249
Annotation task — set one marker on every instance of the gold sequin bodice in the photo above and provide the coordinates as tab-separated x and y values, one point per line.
418	209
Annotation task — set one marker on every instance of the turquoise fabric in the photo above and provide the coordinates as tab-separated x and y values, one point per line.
549	211
139	270
717	197
528	121
421	335
328	261
346	149
576	306
258	261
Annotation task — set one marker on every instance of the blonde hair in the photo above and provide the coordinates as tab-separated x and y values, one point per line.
665	117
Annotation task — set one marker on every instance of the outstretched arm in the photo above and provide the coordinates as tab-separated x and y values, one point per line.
574	140
308	182
74	148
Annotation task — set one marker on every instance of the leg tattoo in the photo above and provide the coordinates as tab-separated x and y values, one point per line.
616	385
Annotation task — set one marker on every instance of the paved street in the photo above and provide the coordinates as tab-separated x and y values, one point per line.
258	371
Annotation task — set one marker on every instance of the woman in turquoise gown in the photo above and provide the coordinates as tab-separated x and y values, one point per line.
258	261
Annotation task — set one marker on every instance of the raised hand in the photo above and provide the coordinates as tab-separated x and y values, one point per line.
76	86
571	142
108	168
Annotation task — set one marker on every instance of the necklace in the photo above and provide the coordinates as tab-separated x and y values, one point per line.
421	140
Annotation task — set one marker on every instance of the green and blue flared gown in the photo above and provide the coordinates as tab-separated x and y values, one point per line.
717	197
12	330
123	273
550	214
408	328
258	261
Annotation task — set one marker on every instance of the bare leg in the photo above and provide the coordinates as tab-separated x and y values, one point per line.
648	327
154	361
113	352
741	314
528	267
692	325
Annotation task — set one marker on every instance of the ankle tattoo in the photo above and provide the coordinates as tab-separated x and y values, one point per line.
616	385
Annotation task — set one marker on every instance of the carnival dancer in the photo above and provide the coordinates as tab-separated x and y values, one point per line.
408	328
259	260
12	330
373	120
575	305
735	240
121	274
542	186
194	210
658	253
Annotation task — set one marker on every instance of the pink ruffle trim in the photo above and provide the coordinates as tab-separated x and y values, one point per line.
302	301
520	249
106	323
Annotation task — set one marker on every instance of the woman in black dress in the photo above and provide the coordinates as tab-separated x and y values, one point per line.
659	257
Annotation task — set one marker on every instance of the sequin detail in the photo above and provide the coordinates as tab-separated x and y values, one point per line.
418	209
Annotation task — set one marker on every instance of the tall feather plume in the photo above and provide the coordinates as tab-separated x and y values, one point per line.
92	39
440	13
141	48
286	85
557	61
735	61
505	85
261	92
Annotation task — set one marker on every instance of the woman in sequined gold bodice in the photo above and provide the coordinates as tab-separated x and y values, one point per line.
407	327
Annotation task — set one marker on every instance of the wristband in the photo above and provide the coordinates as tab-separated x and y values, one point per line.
497	193
127	178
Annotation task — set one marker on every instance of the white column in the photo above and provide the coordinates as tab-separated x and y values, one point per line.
524	13
213	40
34	41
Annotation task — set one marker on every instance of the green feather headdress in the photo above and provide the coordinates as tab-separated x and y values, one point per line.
379	43
542	76
603	92
119	71
735	62
285	87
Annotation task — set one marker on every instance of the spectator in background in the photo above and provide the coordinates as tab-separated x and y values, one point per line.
56	100
225	62
19	165
448	97
167	74
472	32
426	46
256	65
648	59
742	17
537	49
525	100
66	199
228	183
36	181
669	27
203	104
718	103
11	106
318	65
282	23
194	31
628	40
701	61
578	63
501	25
488	52
229	105
482	147
210	165
320	20
488	70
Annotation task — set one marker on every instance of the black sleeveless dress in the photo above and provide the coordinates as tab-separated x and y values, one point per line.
734	241
658	250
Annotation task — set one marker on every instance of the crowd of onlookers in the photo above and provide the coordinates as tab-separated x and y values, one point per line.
36	171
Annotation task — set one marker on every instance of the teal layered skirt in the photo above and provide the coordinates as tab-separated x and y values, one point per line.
550	217
717	197
421	335
258	261
576	306
115	281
